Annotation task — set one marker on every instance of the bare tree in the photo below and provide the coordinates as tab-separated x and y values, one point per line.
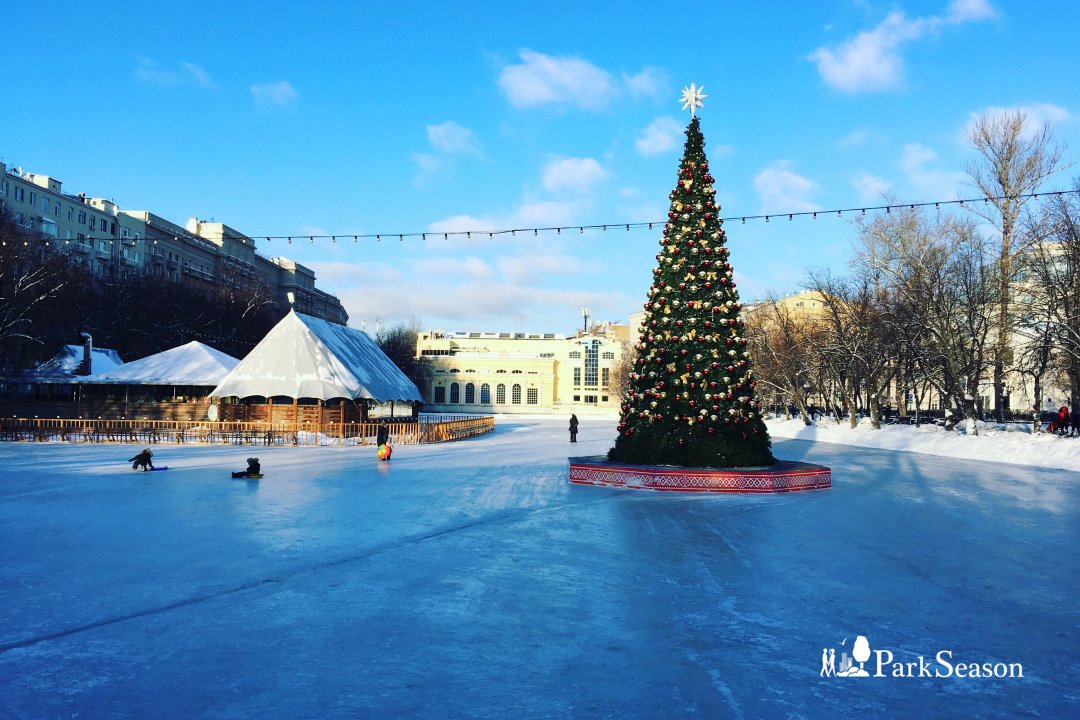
780	342
1049	315
1014	163
399	344
33	272
941	274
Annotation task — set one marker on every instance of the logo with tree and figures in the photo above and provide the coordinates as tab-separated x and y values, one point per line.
860	653
851	661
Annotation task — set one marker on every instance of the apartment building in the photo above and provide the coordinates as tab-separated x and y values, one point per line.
524	372
116	241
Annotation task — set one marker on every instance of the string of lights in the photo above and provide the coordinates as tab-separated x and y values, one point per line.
627	226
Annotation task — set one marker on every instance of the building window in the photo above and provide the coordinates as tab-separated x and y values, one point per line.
532	396
485	394
44	204
455	393
576	355
605	376
70	211
515	372
500	394
440	394
515	394
33	197
498	372
93	223
19	195
3	187
470	394
608	355
592	363
577	376
82	217
56	209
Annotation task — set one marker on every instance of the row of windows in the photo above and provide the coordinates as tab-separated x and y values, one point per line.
576	354
590	377
45	206
497	372
532	395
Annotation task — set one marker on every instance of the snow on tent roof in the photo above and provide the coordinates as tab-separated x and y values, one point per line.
305	357
61	367
190	364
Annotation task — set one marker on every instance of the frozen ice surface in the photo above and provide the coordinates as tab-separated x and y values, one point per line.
470	579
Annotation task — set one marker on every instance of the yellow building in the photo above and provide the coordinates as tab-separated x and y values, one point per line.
478	372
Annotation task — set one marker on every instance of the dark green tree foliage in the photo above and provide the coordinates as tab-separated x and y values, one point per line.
691	401
399	344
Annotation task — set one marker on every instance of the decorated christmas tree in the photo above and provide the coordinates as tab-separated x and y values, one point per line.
691	400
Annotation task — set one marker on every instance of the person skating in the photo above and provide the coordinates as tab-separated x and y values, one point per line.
143	460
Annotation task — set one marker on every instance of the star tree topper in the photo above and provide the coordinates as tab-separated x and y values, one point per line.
692	97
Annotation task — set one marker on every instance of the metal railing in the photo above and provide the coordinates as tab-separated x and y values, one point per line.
152	432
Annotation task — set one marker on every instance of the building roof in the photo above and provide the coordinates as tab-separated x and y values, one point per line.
190	364
61	367
305	357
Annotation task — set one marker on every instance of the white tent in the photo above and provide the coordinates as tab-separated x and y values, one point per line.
305	357
190	364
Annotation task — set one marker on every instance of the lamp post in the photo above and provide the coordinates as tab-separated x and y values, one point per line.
585	316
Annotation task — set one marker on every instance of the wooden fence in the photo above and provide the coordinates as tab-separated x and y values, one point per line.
150	432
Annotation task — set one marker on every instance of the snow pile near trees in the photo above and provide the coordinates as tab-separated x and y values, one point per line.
995	443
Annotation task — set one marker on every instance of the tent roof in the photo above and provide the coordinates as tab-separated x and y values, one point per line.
61	367
305	357
190	364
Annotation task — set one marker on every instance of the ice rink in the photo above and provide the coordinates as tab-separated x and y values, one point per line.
471	580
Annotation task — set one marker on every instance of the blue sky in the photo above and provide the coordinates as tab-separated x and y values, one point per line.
431	117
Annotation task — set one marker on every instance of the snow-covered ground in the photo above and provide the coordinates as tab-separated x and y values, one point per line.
1007	443
471	580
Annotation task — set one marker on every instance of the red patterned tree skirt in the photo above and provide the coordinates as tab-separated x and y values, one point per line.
784	476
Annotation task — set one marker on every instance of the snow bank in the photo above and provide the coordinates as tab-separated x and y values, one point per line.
1013	444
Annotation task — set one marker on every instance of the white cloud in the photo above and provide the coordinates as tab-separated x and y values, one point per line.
199	75
428	165
572	174
546	79
650	82
660	136
545	213
188	73
856	138
452	139
871	188
469	268
279	93
916	161
961	11
463	223
783	191
871	60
